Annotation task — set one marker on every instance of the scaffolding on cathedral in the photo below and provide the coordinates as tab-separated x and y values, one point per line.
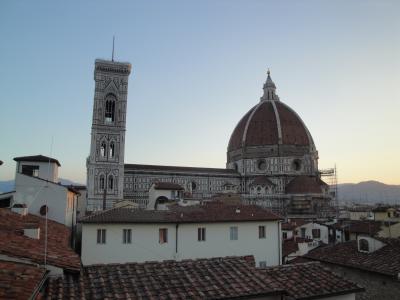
330	177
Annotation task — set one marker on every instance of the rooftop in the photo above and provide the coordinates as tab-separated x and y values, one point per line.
290	246
385	261
20	281
216	278
305	184
294	223
205	213
309	281
357	226
13	243
175	169
167	186
38	158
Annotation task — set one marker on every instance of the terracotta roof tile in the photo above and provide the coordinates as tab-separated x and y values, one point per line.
384	261
294	223
14	243
179	169
167	186
216	278
263	127
293	130
235	141
309	281
358	226
305	184
292	245
208	212
289	247
20	281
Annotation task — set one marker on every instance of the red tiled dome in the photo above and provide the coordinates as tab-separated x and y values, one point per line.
261	126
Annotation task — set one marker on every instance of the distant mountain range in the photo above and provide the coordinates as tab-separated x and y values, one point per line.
9	185
366	192
369	192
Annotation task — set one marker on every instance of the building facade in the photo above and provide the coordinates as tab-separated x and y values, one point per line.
122	235
37	188
271	158
105	164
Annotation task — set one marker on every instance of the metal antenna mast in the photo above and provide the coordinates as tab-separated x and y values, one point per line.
112	57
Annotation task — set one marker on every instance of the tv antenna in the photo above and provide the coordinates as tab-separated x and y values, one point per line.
112	56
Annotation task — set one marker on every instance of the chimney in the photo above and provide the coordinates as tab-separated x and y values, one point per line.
20	209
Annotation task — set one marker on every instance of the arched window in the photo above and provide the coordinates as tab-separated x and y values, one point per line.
110	182
111	150
363	245
101	182
103	149
296	164
261	164
109	115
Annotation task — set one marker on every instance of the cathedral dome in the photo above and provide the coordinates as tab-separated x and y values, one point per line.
270	126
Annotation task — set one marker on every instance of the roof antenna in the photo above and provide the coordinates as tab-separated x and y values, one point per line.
112	57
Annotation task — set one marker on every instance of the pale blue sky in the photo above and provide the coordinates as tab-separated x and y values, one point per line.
198	66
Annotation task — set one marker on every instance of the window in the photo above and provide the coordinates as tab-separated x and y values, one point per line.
101	236
263	264
194	186
30	170
303	232
163	235
201	234
110	182
296	165
101	182
110	110
284	235
261	164
111	150
261	232
363	245
126	236
43	210
316	233
103	149
233	233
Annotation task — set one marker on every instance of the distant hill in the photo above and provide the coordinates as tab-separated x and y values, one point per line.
9	185
369	192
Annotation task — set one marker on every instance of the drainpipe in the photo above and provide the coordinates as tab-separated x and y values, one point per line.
176	240
279	242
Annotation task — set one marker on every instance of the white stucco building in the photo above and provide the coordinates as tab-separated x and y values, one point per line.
314	231
37	188
123	235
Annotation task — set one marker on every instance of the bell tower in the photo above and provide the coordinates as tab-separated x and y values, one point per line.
105	164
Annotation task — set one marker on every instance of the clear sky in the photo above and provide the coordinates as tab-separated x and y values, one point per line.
198	67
